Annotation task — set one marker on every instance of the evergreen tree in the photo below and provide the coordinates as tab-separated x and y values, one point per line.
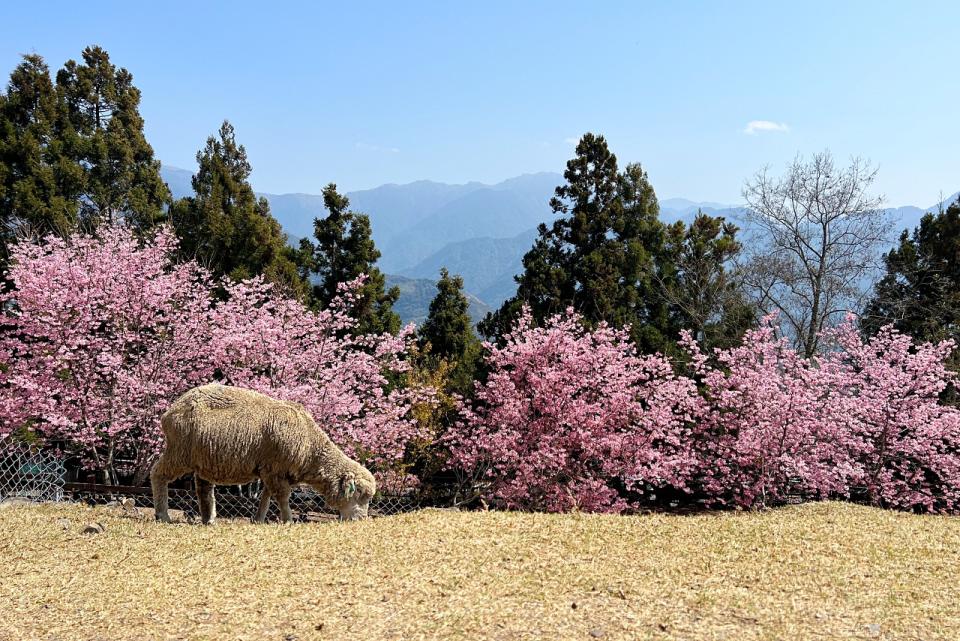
705	295
39	183
122	178
604	256
448	327
448	334
225	226
344	250
920	291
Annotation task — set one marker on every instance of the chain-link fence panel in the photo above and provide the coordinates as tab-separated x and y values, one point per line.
31	476
234	502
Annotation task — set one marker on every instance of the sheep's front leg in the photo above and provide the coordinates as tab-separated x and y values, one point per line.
264	506
160	477
206	498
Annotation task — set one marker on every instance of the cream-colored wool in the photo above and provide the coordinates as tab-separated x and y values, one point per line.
230	435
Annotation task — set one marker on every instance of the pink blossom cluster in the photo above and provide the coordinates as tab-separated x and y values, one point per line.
570	418
904	446
101	333
765	432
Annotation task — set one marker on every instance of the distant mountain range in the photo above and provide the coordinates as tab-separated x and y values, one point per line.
415	297
476	230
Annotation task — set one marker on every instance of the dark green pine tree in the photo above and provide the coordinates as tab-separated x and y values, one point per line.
705	292
920	292
604	255
448	334
122	178
342	250
40	184
225	226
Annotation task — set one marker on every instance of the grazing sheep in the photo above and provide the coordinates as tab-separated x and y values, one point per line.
229	435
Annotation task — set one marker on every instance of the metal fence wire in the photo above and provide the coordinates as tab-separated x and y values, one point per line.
38	477
235	502
31	476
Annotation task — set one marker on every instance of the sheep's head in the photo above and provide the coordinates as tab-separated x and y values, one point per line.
352	492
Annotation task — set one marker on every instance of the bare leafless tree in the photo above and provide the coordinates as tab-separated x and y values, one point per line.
816	235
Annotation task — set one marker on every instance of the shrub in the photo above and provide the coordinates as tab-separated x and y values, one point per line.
903	443
570	418
576	419
763	435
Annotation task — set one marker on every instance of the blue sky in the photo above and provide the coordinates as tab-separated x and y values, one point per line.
394	92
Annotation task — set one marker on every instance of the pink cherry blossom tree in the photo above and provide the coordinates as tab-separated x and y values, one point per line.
102	332
570	418
862	419
903	444
763	437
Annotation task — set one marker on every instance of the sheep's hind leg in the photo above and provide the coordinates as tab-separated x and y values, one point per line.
160	477
264	506
206	498
284	500
280	489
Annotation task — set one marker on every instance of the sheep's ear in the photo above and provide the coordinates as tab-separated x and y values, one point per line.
348	487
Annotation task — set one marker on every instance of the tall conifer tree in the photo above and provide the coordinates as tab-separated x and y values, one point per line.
225	226
448	334
40	183
341	251
601	255
121	177
920	292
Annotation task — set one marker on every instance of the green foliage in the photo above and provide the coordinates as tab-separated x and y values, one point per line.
39	181
448	334
610	258
343	250
602	254
448	328
225	226
73	152
920	290
705	295
121	176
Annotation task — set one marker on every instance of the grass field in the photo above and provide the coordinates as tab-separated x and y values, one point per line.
819	571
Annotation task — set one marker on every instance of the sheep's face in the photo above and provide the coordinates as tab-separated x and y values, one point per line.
354	508
352	497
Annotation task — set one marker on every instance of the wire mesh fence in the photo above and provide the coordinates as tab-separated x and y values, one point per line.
40	476
31	476
233	502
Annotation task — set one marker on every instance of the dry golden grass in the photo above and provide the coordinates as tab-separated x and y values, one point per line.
821	571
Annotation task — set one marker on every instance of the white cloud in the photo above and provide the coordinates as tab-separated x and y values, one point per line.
763	126
571	141
365	146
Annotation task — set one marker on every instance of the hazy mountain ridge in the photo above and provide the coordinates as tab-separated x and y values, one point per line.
479	231
486	264
476	230
416	294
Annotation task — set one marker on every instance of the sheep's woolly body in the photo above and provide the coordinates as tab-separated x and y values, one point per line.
229	435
